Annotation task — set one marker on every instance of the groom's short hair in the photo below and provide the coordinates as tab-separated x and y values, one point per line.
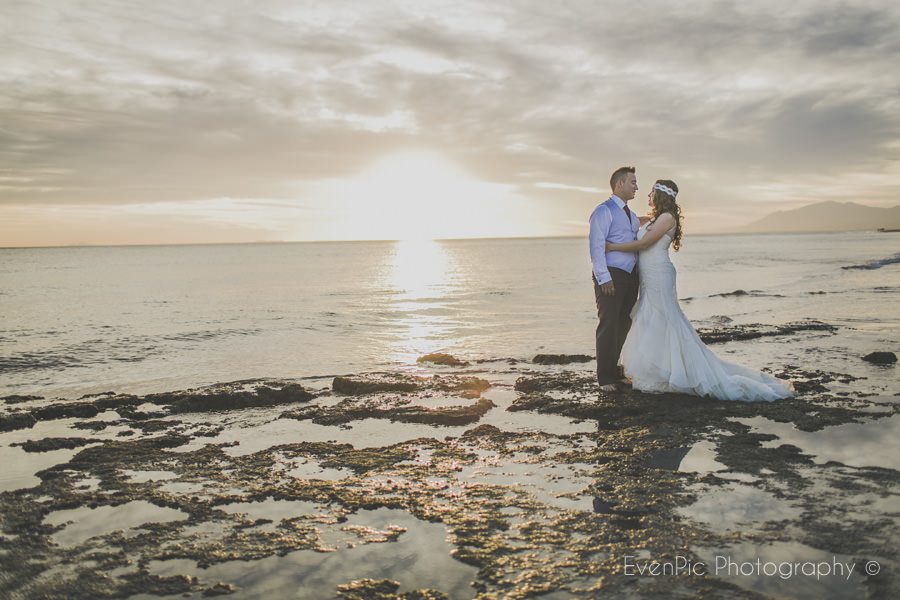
618	175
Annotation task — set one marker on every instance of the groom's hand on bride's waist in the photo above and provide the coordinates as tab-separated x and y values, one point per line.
608	289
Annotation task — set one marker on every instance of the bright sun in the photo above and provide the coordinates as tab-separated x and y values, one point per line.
416	196
416	193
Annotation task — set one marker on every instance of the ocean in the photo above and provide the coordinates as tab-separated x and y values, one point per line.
503	476
141	319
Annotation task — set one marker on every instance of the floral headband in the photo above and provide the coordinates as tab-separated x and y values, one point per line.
666	189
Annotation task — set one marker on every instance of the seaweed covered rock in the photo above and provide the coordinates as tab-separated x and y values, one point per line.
881	358
20	420
384	589
439	358
54	443
373	383
354	386
231	399
756	330
561	359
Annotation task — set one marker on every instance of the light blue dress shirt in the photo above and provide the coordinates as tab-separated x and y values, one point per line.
610	223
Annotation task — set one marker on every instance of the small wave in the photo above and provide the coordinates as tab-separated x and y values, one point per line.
84	354
876	264
132	349
204	335
33	361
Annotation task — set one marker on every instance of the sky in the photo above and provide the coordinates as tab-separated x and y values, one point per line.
248	121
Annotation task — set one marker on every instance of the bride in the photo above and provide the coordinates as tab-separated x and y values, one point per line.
663	352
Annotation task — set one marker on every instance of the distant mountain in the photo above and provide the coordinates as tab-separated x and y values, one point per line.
827	216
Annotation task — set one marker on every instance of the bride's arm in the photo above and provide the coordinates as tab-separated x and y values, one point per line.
663	223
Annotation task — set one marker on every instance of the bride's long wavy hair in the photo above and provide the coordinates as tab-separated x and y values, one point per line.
664	203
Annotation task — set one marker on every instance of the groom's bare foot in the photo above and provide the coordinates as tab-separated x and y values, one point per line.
609	387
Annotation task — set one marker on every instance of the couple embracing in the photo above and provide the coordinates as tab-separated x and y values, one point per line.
641	324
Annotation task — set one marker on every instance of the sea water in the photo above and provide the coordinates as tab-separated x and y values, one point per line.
143	319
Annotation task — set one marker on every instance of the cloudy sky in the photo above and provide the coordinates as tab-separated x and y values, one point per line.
235	121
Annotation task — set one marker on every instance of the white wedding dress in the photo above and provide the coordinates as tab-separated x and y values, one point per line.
663	352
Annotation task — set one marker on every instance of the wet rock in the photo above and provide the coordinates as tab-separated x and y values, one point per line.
92	425
132	414
348	411
489	433
54	443
561	359
483	431
756	330
384	589
387	383
154	425
740	293
117	402
219	589
228	399
370	459
603	506
881	358
468	387
62	410
734	293
454	415
16	399
367	589
525	537
440	358
554	381
376	383
13	421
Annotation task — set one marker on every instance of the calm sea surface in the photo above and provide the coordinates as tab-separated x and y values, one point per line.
157	318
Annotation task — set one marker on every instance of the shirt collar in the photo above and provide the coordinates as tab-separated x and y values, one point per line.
619	202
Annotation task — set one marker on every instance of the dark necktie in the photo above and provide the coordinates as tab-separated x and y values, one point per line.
627	212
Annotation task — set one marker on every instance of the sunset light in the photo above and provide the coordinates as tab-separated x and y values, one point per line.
419	196
454	300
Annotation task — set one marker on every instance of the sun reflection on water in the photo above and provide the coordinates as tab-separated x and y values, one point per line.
419	268
420	274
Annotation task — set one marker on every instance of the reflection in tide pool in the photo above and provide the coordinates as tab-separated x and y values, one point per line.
84	523
737	507
420	557
873	443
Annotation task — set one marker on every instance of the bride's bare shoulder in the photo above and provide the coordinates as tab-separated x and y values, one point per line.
665	220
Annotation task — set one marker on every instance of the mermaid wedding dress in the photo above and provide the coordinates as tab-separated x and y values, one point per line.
663	352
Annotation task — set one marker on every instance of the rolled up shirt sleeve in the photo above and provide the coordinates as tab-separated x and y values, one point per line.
601	220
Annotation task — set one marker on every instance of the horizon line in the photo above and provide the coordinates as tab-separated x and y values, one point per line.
370	241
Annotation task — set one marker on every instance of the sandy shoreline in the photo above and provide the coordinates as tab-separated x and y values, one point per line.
496	479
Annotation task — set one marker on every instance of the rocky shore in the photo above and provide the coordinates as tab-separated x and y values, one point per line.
488	479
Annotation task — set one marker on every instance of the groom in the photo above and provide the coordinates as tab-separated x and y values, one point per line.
615	274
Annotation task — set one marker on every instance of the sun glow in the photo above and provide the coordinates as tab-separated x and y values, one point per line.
420	196
417	193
